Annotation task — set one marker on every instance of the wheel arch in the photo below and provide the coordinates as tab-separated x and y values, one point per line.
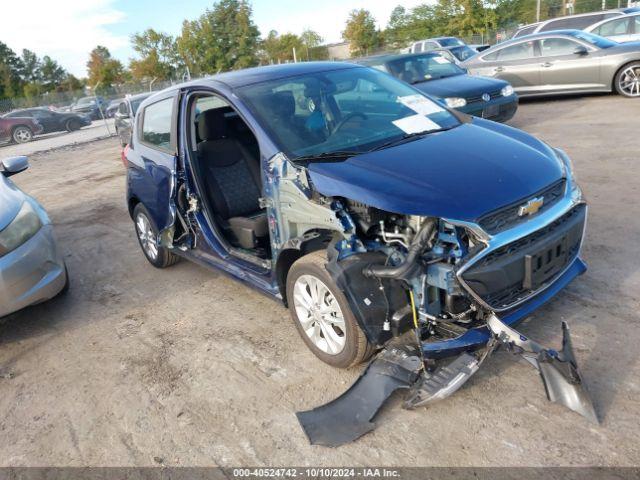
296	248
618	70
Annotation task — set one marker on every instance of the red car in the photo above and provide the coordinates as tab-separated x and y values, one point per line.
19	130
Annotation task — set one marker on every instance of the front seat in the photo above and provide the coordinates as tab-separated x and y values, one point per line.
232	177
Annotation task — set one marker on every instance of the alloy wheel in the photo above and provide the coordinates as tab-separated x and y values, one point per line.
319	314
22	135
146	236
630	81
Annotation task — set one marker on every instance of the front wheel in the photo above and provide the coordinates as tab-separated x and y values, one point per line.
147	233
627	81
73	125
322	314
22	135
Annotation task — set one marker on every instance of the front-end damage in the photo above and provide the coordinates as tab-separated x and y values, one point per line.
437	295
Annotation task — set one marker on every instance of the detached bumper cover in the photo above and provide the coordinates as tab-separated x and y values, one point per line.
32	273
350	416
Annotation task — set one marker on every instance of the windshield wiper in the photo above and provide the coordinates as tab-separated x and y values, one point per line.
408	137
337	155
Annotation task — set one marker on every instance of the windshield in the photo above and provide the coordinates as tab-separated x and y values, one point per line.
349	110
596	40
421	68
450	42
463	52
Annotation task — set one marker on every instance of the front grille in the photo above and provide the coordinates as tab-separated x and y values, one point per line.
516	271
507	217
478	98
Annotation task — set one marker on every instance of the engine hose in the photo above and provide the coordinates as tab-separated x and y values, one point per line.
419	243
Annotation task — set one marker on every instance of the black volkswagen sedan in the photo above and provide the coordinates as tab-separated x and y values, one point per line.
436	76
53	121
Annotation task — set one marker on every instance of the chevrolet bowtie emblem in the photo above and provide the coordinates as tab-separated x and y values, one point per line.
531	207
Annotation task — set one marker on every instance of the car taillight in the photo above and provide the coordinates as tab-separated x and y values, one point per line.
123	155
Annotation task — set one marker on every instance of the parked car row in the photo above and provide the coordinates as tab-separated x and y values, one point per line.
561	62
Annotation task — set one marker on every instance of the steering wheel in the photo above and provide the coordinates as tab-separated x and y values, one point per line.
346	118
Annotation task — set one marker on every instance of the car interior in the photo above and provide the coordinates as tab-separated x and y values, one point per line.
226	161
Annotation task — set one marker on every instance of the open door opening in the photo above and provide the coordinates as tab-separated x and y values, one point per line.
226	162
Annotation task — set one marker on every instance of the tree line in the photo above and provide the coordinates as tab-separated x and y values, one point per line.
225	37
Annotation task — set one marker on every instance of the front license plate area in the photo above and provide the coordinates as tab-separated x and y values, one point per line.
545	264
491	111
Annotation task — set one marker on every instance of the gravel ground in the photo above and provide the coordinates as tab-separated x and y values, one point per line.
43	143
137	366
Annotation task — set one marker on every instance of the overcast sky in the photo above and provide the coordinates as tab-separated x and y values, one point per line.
68	29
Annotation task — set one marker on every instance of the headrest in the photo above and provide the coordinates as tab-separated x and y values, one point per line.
285	103
212	125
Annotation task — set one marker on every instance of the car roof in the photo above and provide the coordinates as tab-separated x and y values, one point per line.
137	96
569	32
390	57
250	76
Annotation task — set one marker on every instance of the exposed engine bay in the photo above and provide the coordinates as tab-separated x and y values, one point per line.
404	278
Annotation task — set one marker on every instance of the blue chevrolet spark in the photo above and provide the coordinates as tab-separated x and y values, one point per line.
387	223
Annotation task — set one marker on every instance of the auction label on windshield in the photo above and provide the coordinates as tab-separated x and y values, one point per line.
416	124
420	104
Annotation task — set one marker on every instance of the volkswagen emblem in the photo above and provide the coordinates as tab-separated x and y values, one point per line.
486	97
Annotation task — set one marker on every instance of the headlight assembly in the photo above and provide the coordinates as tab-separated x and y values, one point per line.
455	102
22	228
507	91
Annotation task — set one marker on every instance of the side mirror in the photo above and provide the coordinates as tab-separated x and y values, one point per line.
465	70
13	165
122	116
581	50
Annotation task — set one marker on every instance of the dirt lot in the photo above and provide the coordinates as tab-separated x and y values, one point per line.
137	366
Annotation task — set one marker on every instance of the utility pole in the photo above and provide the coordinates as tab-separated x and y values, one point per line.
604	4
538	11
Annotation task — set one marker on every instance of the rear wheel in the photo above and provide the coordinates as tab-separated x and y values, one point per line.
627	81
147	233
22	134
322	314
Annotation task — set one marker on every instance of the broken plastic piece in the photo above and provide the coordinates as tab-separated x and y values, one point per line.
558	370
348	417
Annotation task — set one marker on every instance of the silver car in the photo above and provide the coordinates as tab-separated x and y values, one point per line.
560	62
621	29
32	269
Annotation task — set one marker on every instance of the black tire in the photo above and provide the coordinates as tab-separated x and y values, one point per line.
357	348
164	258
618	79
21	134
72	125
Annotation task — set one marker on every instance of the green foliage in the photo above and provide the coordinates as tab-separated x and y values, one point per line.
103	69
158	56
277	48
223	38
361	33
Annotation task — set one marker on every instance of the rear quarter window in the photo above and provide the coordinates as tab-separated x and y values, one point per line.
156	125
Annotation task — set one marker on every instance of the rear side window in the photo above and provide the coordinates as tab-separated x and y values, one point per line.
156	124
417	47
573	22
518	51
619	26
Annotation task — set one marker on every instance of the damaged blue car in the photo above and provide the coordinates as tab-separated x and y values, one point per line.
391	226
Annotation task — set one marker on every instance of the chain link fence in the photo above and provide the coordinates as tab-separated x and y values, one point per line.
64	99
